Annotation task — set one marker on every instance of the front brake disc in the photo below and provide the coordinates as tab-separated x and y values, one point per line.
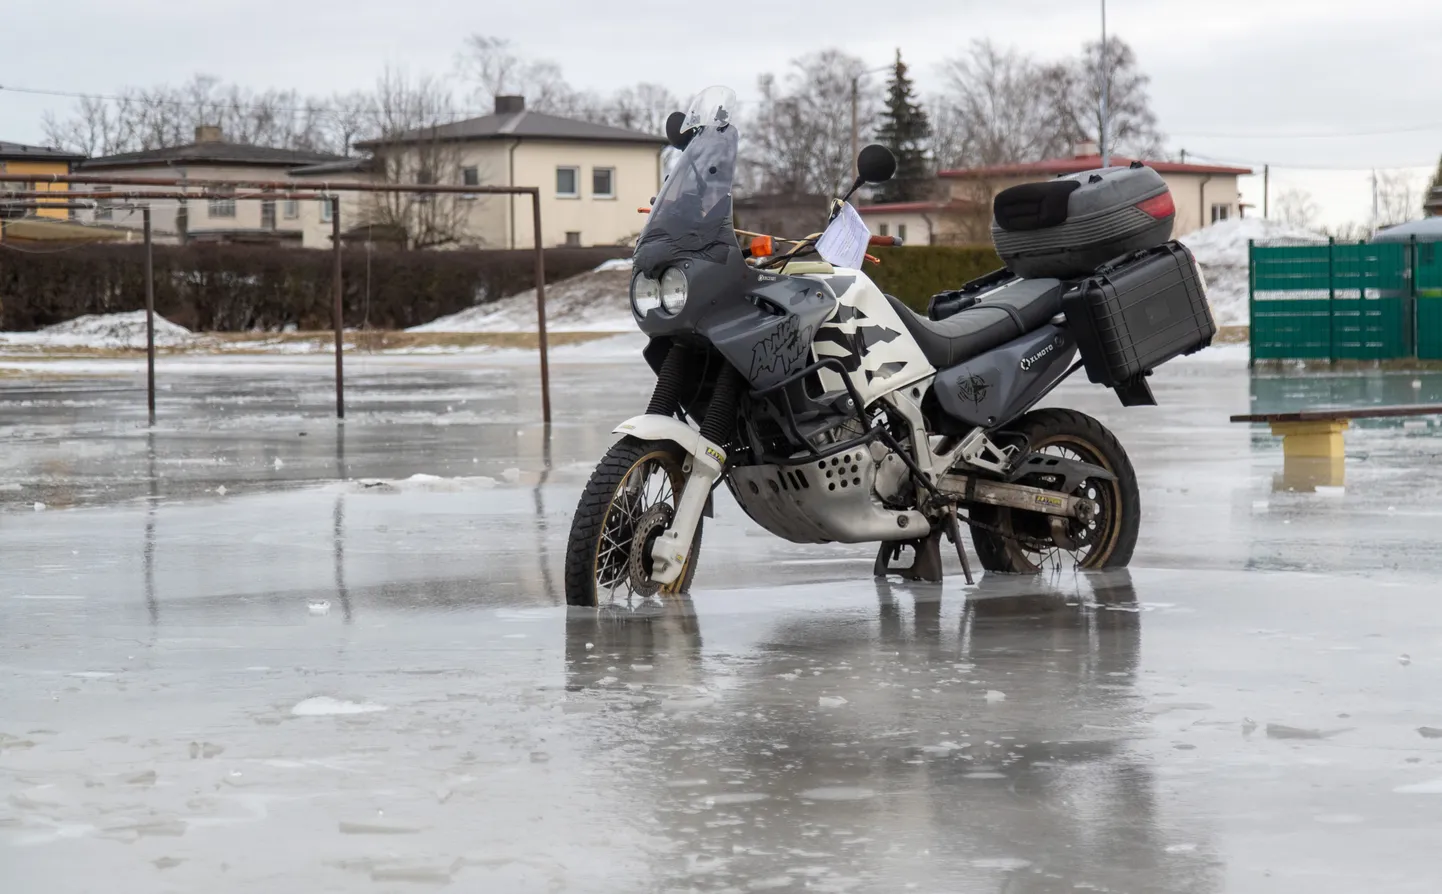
650	526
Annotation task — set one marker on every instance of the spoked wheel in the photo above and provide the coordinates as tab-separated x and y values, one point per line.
1023	542
629	501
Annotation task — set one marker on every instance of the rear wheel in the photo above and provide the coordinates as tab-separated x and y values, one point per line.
1022	543
629	500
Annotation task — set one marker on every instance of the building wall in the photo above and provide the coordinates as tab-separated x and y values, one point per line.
598	221
312	216
918	226
163	213
39	168
1194	195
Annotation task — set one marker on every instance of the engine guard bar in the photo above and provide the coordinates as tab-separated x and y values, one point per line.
795	428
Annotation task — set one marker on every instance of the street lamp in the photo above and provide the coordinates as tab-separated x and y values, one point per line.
855	124
1106	92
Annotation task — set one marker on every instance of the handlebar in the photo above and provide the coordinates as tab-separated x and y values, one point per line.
887	241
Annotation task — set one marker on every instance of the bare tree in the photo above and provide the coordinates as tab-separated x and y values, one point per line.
1399	197
494	68
1296	208
411	147
992	112
1076	89
799	142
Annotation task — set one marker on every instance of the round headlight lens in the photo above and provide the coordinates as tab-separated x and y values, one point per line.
673	290
645	294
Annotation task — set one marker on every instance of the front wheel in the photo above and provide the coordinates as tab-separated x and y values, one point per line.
629	500
1021	542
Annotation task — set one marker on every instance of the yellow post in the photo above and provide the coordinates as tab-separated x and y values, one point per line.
1312	440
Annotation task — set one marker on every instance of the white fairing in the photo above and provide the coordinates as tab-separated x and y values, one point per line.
865	323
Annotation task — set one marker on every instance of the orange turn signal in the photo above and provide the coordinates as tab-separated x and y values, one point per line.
761	247
643	210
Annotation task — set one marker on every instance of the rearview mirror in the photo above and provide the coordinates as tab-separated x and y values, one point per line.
875	164
674	136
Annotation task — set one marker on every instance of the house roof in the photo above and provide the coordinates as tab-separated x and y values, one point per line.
524	125
915	207
367	165
211	152
1059	166
22	152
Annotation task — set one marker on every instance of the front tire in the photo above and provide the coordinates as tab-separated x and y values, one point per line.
634	476
1024	545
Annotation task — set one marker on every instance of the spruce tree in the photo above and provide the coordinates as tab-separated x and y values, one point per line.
1436	184
905	130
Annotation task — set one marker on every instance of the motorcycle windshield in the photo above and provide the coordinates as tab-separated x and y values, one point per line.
691	217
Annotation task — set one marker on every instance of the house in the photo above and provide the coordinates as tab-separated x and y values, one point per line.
1204	194
592	177
210	157
41	161
922	223
784	215
313	218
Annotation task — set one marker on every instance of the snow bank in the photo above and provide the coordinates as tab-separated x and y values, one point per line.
614	264
1221	250
598	301
110	331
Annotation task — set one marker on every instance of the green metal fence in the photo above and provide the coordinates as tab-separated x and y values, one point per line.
1363	301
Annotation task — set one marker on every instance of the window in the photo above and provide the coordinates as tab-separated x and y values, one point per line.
568	184
573	239
325	209
292	209
103	210
901	232
470	176
883	230
1221	212
603	183
223	207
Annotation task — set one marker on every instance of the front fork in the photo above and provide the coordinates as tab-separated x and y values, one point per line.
706	457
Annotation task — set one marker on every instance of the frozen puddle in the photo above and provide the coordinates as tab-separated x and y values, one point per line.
324	706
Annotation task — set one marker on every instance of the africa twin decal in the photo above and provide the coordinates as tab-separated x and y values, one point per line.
785	348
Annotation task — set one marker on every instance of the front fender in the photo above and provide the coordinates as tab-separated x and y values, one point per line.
654	427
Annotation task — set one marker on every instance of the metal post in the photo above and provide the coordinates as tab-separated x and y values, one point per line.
1251	303
1266	192
1331	299
1106	92
541	308
336	310
149	317
855	126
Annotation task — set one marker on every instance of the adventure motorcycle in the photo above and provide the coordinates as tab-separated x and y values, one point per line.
833	412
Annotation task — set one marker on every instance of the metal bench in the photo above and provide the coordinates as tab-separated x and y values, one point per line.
1313	446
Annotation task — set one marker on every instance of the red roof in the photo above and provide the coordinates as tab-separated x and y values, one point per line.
1054	166
914	207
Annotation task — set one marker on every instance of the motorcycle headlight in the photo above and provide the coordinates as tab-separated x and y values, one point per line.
645	294
673	290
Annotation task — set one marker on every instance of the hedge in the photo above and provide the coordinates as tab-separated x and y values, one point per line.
241	288
914	273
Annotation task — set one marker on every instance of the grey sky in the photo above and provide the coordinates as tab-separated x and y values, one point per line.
1227	75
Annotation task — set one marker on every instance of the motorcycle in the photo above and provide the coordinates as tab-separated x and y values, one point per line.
833	412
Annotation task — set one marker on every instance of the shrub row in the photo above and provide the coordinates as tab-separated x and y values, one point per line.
916	272
250	287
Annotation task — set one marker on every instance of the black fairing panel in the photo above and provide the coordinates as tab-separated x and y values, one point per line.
996	387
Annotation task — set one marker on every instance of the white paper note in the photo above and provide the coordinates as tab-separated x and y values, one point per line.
844	242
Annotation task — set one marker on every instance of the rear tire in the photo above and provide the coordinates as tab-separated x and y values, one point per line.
1026	547
599	547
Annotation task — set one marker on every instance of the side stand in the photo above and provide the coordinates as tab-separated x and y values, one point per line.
926	566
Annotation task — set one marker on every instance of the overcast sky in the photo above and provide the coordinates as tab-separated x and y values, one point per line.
1228	76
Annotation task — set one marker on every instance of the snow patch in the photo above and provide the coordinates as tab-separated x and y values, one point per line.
325	706
598	301
122	331
614	264
1221	251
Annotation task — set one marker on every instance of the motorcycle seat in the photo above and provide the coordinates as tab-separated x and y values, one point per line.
1004	314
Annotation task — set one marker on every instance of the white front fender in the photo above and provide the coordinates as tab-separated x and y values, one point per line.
653	427
669	553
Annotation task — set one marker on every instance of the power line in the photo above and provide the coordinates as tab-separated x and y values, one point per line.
1300	167
1310	136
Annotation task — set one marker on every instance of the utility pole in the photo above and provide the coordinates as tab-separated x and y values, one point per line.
855	125
1106	91
1184	156
1375	209
1266	191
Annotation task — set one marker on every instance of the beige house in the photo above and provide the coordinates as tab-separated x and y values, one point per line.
592	177
1203	195
210	157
